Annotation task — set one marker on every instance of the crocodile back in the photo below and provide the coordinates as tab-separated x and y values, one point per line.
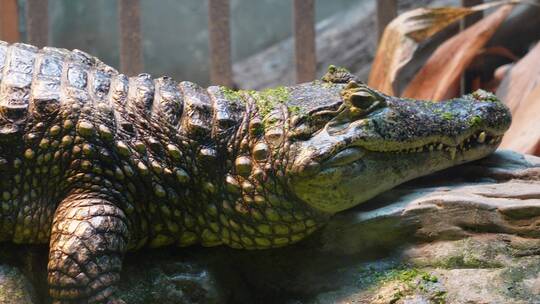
186	164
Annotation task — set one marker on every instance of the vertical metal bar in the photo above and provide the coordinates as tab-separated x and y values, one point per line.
467	77
131	55
9	21
220	42
386	12
37	22
304	40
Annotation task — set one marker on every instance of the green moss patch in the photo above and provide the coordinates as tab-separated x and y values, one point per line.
484	96
396	284
336	74
269	99
266	100
447	115
475	121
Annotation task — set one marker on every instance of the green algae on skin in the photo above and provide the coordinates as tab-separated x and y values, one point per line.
266	100
230	94
336	74
475	121
447	115
335	69
484	96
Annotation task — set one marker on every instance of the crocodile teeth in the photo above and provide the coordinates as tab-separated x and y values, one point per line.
482	137
452	151
439	147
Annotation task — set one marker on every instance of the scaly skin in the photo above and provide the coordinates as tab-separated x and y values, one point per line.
95	164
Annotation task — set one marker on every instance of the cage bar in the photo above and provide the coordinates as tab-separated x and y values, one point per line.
220	42
131	55
37	22
304	38
386	11
9	21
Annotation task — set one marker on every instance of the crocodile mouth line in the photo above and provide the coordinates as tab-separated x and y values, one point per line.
476	140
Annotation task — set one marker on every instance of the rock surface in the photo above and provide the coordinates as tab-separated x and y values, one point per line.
15	287
466	235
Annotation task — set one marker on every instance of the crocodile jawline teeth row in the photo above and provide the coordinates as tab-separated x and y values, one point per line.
480	138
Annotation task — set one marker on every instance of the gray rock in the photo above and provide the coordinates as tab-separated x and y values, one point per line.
15	287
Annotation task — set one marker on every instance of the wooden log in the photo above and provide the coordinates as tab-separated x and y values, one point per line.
37	22
304	34
220	42
131	53
9	21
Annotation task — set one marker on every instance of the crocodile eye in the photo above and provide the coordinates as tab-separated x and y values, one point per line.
363	99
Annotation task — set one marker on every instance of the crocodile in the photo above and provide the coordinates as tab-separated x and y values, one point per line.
96	164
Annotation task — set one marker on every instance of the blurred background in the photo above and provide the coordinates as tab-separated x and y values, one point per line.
175	37
174	33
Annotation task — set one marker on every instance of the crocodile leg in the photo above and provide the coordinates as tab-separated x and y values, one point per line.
88	240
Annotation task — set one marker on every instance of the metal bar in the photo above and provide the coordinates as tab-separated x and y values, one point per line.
468	77
131	54
220	42
304	40
37	22
386	12
9	21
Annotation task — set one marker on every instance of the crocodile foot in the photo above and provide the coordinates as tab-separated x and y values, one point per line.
88	240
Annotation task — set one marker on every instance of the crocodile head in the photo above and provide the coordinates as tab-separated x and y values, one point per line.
355	142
